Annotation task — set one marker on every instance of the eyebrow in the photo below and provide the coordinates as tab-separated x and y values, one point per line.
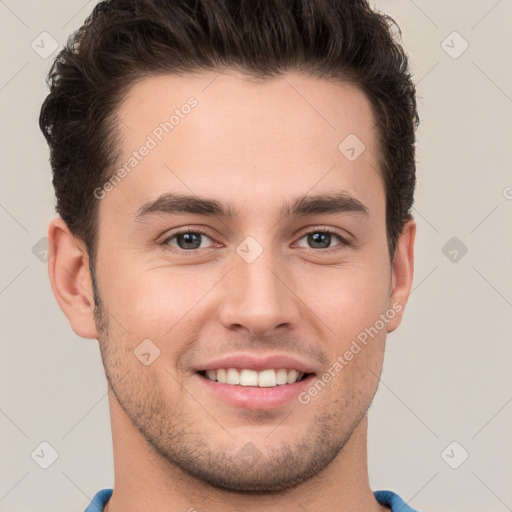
172	203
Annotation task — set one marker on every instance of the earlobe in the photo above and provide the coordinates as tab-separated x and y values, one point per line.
68	269
402	273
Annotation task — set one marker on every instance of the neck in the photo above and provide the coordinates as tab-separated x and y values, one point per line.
146	481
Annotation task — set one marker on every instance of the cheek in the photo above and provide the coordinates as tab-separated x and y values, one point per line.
156	303
134	298
348	299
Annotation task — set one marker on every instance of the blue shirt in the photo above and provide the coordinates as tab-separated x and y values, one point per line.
386	498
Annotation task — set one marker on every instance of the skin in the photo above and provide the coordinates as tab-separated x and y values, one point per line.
255	145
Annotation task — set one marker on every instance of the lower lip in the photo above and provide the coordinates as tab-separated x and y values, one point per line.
252	397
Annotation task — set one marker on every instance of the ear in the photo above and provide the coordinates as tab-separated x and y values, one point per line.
402	273
68	269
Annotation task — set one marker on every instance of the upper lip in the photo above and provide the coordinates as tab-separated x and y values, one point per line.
258	363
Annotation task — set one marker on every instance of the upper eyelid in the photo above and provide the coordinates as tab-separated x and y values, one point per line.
324	230
186	229
181	231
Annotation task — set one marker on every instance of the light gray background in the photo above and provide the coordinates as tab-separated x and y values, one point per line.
447	370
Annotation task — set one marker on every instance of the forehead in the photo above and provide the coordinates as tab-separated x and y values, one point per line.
212	129
294	108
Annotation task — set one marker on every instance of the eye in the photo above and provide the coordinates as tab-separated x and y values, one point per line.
321	239
187	240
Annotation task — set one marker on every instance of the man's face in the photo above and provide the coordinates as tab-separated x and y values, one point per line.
270	278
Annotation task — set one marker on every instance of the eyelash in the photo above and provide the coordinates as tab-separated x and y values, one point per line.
342	245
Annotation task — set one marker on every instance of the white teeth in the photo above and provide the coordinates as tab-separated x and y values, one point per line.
233	377
264	379
292	376
267	379
247	378
282	376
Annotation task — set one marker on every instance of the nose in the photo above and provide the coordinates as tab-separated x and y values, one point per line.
259	296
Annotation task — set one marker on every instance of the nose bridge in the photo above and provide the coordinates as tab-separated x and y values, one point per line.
258	298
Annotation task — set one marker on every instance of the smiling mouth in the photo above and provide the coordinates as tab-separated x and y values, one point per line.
250	378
